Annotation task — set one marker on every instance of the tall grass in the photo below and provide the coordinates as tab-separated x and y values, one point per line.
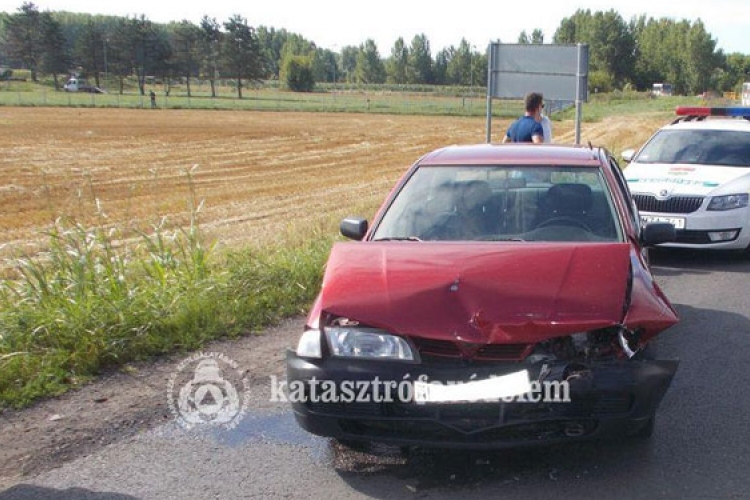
96	300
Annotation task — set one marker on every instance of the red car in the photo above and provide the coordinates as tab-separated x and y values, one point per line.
502	296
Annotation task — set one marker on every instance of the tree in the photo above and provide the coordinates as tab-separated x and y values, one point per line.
88	49
241	52
184	40
736	71
370	68
459	64
55	59
611	43
24	39
271	42
119	59
537	37
209	44
326	63
148	49
349	55
679	52
440	70
700	58
420	61
397	65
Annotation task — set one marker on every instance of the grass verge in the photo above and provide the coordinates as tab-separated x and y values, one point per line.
95	301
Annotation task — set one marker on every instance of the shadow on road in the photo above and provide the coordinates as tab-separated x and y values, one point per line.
678	261
28	492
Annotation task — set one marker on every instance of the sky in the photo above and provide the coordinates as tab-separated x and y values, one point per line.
334	24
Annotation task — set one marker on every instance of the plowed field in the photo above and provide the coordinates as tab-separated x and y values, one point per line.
260	173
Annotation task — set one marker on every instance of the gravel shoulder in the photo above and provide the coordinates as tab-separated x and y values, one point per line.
121	404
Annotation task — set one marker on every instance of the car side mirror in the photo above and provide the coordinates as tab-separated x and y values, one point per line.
655	233
628	155
354	228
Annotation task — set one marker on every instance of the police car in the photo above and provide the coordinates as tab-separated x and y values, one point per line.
695	174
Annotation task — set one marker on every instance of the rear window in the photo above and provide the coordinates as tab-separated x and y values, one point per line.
502	203
705	147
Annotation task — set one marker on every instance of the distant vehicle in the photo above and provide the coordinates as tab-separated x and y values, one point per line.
746	94
662	89
80	85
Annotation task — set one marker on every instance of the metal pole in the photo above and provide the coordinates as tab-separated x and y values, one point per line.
579	90
490	66
106	72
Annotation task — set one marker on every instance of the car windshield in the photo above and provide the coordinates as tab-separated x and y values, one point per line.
706	147
501	203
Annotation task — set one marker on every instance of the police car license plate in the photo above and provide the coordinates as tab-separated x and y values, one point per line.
677	222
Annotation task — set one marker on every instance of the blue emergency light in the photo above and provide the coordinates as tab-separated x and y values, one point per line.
738	111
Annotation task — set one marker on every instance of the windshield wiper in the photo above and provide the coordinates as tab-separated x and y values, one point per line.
499	239
399	238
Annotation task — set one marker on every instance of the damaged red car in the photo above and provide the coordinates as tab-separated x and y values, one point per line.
502	296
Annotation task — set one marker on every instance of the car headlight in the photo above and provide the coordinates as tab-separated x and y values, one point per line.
369	343
309	345
728	202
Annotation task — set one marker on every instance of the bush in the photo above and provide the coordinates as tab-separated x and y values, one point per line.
600	82
297	74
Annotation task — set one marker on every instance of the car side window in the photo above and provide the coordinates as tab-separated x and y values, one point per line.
623	185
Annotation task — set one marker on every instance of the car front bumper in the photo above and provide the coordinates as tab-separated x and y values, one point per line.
699	224
611	398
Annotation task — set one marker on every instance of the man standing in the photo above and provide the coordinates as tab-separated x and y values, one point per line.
528	128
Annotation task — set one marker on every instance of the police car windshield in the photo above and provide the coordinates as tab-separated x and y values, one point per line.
705	147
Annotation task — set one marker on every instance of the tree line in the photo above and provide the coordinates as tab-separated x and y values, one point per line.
647	50
635	53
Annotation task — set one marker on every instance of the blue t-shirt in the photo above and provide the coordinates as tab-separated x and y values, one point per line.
524	128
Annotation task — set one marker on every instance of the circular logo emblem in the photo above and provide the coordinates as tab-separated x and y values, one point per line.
208	389
664	193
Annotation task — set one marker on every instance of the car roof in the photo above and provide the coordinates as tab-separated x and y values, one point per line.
514	154
736	124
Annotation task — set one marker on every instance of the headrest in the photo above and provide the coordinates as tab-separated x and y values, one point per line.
476	194
569	198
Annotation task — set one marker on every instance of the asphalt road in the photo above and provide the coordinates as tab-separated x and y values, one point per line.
700	449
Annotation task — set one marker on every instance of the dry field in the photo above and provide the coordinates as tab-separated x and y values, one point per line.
260	173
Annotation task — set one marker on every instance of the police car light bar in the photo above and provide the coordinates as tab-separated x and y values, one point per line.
706	111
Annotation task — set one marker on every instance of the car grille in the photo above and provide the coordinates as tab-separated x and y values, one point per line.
431	348
674	205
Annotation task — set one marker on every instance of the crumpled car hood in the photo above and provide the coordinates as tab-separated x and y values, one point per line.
478	292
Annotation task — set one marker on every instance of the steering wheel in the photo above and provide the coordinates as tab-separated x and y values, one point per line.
564	221
447	227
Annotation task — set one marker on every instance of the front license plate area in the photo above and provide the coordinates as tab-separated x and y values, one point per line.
677	222
491	389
